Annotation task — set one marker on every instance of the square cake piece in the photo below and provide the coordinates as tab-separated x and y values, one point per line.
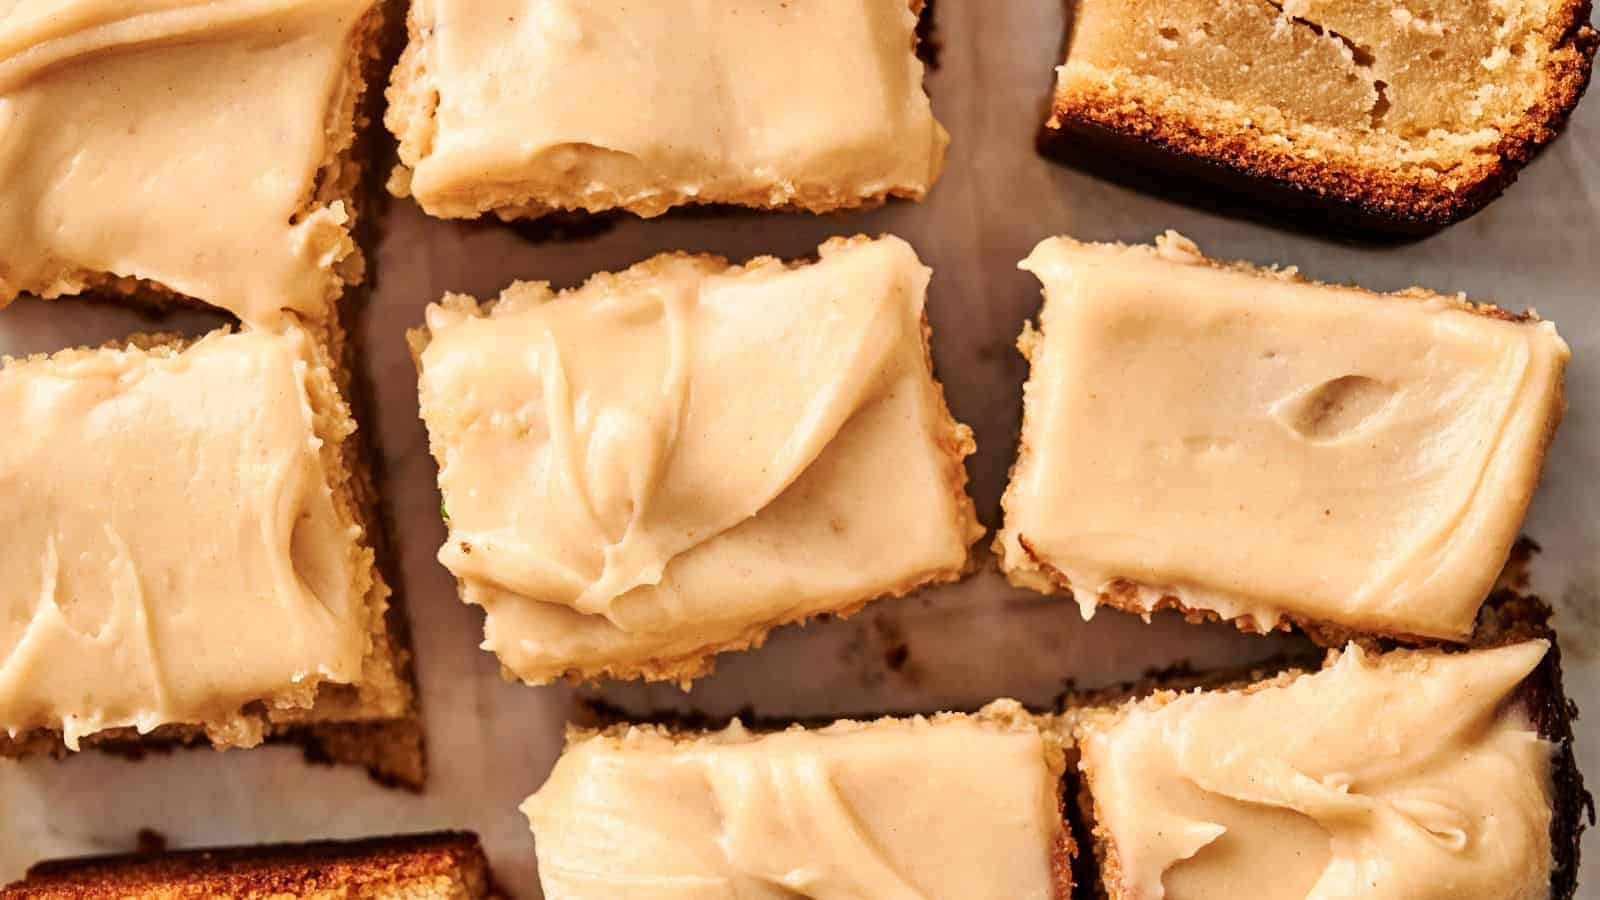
524	107
1388	117
198	148
1412	773
187	558
442	866
965	807
670	461
1244	444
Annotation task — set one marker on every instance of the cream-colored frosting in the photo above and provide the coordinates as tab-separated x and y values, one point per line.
1403	776
173	551
177	141
898	809
679	456
1261	446
522	106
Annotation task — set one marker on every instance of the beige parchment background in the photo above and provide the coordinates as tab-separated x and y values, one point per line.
492	742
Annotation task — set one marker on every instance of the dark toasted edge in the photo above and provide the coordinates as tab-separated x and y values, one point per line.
1508	618
930	41
391	750
265	869
1234	175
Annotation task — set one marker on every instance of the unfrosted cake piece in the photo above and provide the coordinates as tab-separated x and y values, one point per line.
670	461
440	866
1411	773
202	149
965	807
525	107
1245	444
1394	116
187	557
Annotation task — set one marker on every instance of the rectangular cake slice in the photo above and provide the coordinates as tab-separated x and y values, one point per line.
188	557
1412	773
1383	116
1244	444
965	807
441	866
521	108
198	148
667	462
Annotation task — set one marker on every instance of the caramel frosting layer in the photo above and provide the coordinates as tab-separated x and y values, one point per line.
1405	775
1247	443
525	106
174	550
182	142
898	809
675	458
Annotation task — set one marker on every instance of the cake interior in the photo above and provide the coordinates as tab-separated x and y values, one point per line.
1423	83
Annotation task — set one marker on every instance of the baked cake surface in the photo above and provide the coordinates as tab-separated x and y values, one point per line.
669	461
1414	113
949	807
523	107
1244	444
441	866
1415	773
161	495
127	163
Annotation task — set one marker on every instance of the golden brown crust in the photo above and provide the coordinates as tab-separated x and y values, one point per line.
1348	193
440	865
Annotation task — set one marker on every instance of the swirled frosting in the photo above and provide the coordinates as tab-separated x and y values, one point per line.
173	551
1255	445
1404	776
177	141
679	456
898	809
522	106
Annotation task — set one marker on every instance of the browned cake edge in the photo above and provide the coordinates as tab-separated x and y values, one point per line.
593	715
1508	618
404	92
390	749
955	441
1120	138
451	859
340	177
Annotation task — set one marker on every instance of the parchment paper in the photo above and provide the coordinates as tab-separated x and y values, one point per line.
491	743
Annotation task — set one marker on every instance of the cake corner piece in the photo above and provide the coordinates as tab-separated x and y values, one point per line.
1421	120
